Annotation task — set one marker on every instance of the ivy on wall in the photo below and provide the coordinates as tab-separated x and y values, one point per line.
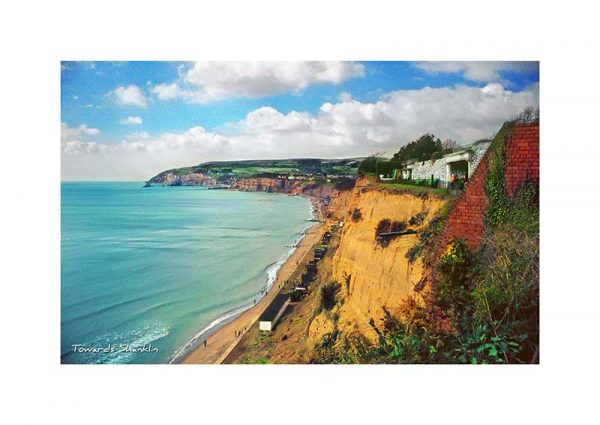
495	186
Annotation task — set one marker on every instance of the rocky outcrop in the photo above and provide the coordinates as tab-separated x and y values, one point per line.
191	179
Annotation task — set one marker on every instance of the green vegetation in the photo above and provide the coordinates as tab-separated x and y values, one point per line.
427	147
442	193
494	185
483	306
256	171
417	219
377	165
428	236
307	167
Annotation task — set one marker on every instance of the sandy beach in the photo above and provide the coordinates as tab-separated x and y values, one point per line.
223	341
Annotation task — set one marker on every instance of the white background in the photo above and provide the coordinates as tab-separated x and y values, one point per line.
37	35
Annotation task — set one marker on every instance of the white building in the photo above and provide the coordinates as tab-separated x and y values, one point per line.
461	164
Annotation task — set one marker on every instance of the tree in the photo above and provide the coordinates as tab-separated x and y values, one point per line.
421	149
450	144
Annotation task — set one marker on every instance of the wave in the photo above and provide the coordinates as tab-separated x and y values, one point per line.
212	326
108	307
271	271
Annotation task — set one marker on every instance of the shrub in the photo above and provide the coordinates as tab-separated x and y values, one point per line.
344	183
377	165
453	290
328	295
356	215
426	238
387	226
529	114
417	219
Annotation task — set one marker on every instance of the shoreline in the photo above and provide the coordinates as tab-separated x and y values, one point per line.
224	333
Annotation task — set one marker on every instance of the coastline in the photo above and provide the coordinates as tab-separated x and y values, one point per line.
223	334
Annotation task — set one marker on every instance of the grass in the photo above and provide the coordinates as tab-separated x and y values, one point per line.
249	171
342	169
442	193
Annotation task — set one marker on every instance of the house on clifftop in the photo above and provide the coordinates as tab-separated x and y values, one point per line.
456	166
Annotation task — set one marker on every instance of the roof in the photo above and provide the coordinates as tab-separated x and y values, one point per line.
271	312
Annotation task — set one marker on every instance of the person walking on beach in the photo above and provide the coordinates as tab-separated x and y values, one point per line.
205	343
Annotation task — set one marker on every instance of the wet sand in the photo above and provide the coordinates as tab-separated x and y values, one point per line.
224	340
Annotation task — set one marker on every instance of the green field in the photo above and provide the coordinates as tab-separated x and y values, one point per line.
223	170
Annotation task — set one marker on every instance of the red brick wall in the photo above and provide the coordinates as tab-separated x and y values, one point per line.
466	220
522	156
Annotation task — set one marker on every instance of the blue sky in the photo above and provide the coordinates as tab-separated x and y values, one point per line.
117	112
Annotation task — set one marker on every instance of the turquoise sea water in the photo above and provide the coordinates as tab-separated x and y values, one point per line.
145	270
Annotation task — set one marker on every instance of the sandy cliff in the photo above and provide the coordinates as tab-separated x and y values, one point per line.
265	184
276	185
372	276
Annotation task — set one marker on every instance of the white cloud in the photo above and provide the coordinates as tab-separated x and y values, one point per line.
83	131
344	129
130	95
171	91
481	71
138	135
205	82
345	97
131	121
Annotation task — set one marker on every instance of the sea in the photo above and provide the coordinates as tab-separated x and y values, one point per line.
148	273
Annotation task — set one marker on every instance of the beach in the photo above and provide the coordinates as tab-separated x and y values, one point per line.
224	339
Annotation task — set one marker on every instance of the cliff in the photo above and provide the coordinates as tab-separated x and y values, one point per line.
373	276
366	274
370	276
292	187
266	184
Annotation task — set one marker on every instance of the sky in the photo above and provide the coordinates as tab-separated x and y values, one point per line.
132	120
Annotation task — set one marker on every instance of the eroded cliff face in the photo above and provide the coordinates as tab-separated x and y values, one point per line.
294	187
263	184
372	276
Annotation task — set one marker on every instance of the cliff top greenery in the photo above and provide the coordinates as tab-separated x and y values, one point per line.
270	168
425	148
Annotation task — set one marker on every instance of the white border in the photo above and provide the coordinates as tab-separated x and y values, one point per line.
37	35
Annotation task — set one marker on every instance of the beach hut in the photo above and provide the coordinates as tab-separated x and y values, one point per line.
269	318
306	279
